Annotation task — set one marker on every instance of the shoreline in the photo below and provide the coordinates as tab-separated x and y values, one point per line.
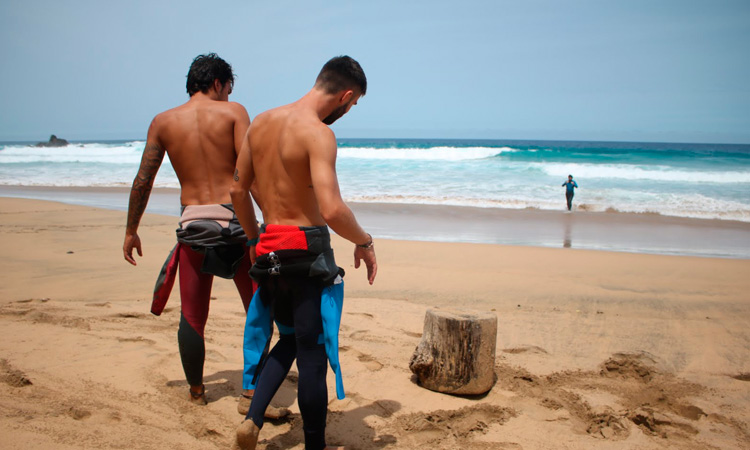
608	231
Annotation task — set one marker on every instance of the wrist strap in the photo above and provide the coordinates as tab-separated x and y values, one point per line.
369	244
252	242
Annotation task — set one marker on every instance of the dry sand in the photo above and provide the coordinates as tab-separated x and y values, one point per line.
594	349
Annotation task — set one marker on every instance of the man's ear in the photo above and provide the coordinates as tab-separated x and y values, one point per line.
345	97
217	85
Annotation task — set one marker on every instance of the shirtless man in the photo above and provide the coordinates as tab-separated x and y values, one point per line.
289	155
202	138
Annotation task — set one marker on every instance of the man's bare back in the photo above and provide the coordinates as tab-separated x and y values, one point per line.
280	151
202	138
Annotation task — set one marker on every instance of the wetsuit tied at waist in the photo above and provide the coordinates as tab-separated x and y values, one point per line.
212	230
286	253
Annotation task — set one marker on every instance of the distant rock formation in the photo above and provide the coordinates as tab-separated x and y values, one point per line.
53	142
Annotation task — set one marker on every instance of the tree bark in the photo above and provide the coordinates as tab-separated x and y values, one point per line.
457	352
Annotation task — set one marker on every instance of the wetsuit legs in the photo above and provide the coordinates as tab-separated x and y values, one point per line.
312	364
302	296
569	198
195	292
275	369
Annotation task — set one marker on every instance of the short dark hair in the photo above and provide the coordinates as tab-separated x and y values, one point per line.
341	72
204	70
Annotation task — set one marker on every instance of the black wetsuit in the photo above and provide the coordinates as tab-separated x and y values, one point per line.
293	266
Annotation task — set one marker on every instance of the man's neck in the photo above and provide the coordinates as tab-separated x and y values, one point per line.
199	96
320	102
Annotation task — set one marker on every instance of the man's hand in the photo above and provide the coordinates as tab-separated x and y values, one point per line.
132	241
368	256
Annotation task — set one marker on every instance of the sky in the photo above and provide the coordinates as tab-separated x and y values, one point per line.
596	70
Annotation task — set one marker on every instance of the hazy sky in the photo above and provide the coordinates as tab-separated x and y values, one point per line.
632	70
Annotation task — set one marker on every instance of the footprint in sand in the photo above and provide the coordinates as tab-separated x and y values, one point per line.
68	322
11	376
433	428
29	300
368	315
130	315
412	334
371	363
525	349
100	305
368	360
78	413
358	334
137	339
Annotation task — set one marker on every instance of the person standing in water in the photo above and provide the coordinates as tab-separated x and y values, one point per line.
570	186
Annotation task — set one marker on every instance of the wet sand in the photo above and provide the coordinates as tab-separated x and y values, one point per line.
622	232
595	349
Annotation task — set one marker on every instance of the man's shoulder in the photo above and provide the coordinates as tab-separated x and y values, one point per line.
170	113
234	106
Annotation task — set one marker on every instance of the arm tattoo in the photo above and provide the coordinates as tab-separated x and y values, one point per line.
153	155
236	175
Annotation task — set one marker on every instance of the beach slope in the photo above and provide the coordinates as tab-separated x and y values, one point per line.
594	349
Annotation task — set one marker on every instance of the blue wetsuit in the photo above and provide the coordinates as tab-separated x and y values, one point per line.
569	192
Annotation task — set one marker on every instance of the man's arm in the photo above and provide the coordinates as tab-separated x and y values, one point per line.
241	136
240	193
322	153
153	155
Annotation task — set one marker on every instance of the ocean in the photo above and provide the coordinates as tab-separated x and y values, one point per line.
705	181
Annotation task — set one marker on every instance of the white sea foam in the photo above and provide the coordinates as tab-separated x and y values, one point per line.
128	153
689	206
633	172
423	154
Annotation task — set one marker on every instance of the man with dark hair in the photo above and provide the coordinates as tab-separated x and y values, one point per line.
202	138
204	70
289	158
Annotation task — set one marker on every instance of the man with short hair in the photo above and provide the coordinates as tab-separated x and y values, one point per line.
202	138
289	158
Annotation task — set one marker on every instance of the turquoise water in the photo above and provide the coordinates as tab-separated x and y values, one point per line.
685	180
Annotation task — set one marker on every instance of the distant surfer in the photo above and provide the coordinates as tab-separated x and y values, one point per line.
570	186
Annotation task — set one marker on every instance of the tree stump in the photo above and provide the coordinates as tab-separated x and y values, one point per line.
457	352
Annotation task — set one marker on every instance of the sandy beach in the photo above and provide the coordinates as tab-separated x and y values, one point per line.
595	349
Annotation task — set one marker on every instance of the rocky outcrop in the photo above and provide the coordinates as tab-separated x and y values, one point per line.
53	142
